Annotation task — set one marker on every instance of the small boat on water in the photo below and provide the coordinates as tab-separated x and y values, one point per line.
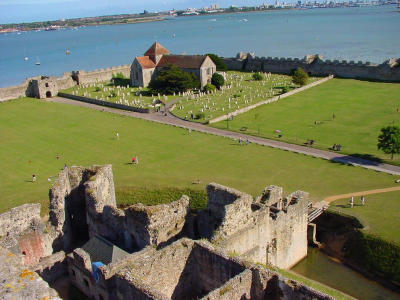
67	52
37	62
26	58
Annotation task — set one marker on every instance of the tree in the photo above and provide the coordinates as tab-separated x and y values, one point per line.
221	65
217	80
257	77
389	140
300	77
171	80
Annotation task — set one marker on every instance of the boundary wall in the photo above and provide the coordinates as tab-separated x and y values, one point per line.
48	86
316	66
105	103
271	100
97	75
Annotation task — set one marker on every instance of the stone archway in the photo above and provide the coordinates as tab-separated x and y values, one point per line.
48	94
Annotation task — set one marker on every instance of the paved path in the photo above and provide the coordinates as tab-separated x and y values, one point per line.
169	119
359	194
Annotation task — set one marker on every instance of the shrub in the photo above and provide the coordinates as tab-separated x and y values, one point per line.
300	77
173	80
221	65
200	115
258	77
119	79
209	87
97	89
236	95
217	80
285	89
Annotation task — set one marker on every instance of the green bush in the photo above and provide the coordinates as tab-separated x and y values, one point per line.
376	255
199	116
221	65
119	79
258	77
217	80
300	77
209	87
173	80
97	89
285	89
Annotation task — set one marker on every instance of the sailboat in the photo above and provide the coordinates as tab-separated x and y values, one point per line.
26	58
67	52
37	62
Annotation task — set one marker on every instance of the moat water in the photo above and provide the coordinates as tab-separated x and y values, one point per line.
364	33
320	267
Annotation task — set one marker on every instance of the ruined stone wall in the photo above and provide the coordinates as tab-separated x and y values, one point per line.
52	267
99	75
13	92
266	230
288	231
18	219
314	65
153	225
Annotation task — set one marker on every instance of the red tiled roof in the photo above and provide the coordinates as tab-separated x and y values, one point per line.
182	61
156	49
145	62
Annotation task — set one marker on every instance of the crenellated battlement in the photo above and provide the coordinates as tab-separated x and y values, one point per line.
315	65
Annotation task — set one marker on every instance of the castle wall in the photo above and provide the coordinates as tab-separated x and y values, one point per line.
83	77
315	66
17	219
13	92
262	230
289	233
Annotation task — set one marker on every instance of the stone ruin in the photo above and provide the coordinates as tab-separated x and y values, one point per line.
161	251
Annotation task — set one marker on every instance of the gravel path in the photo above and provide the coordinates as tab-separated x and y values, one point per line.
359	194
169	119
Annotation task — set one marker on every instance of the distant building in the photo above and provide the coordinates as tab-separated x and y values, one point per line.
146	67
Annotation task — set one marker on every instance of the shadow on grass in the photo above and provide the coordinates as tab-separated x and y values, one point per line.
368	157
360	159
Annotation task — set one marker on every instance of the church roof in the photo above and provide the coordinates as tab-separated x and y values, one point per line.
156	49
99	249
182	61
145	62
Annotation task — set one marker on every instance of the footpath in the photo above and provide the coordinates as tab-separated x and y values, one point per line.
359	194
169	119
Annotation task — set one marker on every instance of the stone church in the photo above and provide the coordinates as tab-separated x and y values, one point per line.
144	68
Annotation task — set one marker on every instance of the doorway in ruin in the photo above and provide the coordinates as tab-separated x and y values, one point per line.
48	94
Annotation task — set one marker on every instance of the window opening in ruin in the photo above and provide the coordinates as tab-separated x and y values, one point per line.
48	94
86	282
23	253
47	84
101	297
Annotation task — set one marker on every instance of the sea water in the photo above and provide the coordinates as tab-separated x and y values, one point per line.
359	33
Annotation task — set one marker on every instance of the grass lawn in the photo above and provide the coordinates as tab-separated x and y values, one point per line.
240	90
361	109
34	132
380	215
108	91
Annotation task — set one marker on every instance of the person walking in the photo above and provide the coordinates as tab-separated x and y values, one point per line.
362	200
133	161
117	136
33	178
351	202
137	160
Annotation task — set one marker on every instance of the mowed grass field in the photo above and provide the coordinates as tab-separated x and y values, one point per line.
33	132
361	109
371	214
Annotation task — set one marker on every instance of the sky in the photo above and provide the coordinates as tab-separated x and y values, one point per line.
18	11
